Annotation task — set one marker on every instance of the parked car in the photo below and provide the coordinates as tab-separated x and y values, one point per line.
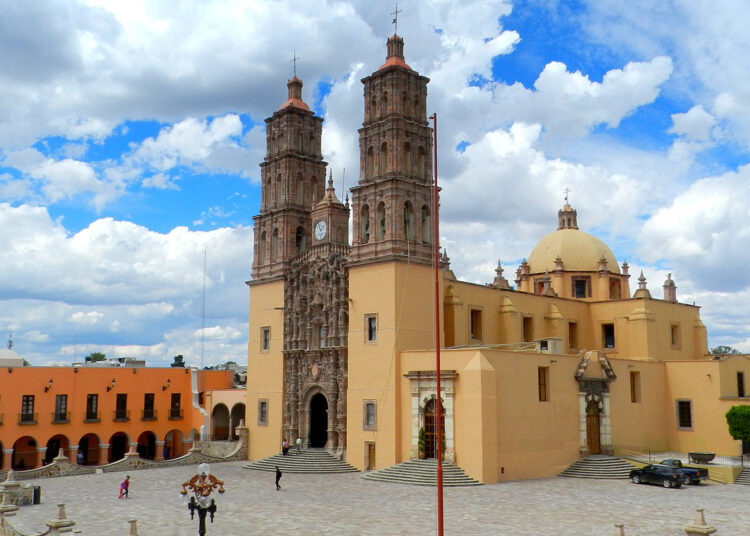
693	475
668	477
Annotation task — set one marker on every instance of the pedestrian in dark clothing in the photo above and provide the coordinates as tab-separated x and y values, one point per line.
278	477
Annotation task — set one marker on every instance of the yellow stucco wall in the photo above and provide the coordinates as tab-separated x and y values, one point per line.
265	374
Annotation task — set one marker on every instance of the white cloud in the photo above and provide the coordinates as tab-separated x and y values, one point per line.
89	318
696	123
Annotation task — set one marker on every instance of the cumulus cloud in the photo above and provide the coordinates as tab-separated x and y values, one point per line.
696	123
90	318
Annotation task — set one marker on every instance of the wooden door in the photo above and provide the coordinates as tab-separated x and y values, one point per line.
593	440
430	427
370	465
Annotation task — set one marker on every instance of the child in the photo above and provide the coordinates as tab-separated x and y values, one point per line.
124	487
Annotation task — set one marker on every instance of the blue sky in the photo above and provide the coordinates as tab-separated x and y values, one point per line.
123	157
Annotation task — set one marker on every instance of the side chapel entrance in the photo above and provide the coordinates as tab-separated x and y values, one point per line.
430	427
593	436
318	435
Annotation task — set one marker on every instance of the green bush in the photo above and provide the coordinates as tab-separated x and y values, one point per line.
738	419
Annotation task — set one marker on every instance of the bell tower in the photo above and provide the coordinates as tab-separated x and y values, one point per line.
392	203
293	180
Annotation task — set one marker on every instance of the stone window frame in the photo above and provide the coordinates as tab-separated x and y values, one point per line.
262	412
677	414
373	340
374	404
265	342
586	279
675	335
614	335
475	328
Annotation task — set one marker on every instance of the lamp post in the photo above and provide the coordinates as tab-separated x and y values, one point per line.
201	486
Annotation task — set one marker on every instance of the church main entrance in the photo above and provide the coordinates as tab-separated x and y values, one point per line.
318	421
593	439
430	427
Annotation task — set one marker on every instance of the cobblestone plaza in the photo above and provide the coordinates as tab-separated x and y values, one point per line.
346	505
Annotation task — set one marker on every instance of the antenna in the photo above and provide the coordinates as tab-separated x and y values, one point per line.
203	324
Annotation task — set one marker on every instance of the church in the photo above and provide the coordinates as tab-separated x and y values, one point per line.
341	348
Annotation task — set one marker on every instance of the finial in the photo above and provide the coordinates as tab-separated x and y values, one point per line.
499	269
642	280
330	179
293	61
395	19
566	191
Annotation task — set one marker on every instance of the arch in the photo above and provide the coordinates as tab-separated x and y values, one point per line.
25	451
173	444
147	445
88	447
220	422
262	248
430	426
237	415
275	244
383	162
426	225
54	444
299	240
421	163
119	444
370	163
407	158
381	221
408	221
364	224
318	423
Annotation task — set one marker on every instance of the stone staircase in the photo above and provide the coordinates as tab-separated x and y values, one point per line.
599	466
308	461
421	473
744	477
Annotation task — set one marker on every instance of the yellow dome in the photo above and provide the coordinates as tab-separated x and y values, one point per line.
579	251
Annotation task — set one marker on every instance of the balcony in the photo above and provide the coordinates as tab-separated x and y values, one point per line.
92	416
175	414
25	419
148	415
60	417
121	415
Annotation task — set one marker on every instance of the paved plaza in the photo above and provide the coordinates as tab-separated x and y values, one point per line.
347	505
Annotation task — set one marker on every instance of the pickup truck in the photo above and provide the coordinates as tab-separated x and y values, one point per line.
693	475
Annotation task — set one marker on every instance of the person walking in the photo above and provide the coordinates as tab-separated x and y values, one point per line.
299	445
125	488
285	447
278	477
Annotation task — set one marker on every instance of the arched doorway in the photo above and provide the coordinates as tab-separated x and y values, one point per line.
173	444
24	453
147	445
593	438
54	445
238	414
318	436
88	447
430	426
220	422
118	446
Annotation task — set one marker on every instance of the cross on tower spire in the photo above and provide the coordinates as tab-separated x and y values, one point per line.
293	61
566	191
395	18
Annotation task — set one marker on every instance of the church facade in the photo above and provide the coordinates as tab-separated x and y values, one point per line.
341	344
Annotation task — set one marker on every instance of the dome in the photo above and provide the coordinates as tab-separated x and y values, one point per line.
579	251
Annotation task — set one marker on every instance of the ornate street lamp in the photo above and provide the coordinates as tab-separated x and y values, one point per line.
201	486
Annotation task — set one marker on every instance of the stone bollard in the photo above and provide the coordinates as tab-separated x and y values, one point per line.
133	527
619	529
62	524
699	526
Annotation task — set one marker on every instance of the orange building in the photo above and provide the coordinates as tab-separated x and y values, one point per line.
97	414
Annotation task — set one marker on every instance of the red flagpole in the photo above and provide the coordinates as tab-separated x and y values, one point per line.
436	261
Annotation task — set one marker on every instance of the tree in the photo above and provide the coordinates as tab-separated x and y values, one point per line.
178	361
93	357
738	419
723	350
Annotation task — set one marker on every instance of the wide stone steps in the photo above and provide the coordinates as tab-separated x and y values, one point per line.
421	473
744	477
598	466
308	461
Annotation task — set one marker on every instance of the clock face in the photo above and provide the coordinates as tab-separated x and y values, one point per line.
320	230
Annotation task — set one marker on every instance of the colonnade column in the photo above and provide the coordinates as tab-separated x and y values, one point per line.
159	454
103	453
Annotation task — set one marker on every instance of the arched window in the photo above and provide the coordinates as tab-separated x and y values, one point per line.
385	103
426	227
383	165
275	244
421	163
299	185
277	192
407	159
408	221
370	171
299	240
364	224
381	221
373	108
267	192
262	248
